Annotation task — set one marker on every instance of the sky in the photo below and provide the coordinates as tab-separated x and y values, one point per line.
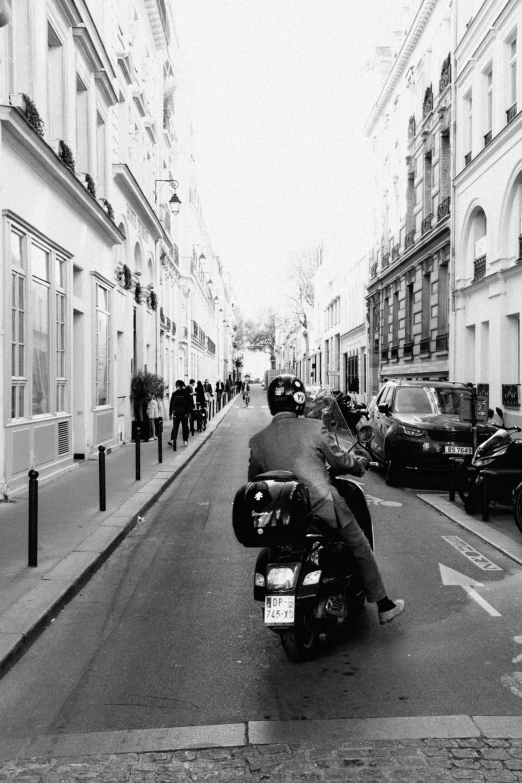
279	93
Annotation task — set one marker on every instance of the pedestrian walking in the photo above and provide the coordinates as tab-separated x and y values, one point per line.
152	414
179	411
192	414
220	387
208	390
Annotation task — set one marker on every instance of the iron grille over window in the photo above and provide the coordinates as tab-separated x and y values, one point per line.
426	224
409	239
385	260
395	252
443	209
441	343
479	268
425	345
511	112
510	395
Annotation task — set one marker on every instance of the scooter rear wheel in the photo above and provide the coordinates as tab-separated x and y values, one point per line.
301	643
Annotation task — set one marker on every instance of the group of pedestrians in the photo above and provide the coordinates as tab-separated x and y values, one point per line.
188	406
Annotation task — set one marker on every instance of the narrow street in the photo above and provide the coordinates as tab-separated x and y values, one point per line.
167	634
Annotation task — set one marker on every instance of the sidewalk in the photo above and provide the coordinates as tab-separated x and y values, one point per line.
74	536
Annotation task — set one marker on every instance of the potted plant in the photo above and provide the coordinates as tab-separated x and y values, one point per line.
144	386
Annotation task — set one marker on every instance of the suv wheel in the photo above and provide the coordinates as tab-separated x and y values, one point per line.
392	470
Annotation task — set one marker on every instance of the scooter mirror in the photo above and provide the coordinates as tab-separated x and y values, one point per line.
365	434
500	412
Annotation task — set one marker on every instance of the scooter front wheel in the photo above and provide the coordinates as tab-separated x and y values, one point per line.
464	480
301	643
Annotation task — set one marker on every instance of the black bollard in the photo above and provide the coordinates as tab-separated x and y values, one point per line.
33	518
138	456
101	471
160	439
453	479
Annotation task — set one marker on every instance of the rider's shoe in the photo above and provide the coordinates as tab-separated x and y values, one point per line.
387	617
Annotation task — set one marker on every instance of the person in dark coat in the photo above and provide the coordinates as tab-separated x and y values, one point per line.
200	395
302	446
179	410
192	416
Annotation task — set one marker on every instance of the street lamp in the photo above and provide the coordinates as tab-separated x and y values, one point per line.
174	200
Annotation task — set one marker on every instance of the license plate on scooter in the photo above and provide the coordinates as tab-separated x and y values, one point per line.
279	609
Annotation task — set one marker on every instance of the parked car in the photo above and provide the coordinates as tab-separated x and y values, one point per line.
416	427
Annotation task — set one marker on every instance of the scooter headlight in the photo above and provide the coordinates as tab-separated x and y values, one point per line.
282	577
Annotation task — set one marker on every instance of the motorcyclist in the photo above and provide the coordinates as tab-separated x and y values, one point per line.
302	445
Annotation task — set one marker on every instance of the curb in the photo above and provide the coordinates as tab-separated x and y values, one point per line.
33	613
355	731
482	530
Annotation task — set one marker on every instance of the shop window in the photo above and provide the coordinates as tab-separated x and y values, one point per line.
18	316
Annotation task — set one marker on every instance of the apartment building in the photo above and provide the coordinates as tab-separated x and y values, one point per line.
98	273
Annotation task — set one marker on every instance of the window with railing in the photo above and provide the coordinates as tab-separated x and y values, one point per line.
511	113
426	224
445	76
408	349
384	354
427	105
479	268
409	239
425	345
385	260
395	252
441	342
443	210
394	352
487	138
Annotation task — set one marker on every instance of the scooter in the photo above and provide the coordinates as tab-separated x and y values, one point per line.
305	576
352	412
499	452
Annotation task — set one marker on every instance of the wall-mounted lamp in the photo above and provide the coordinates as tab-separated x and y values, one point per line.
202	257
174	200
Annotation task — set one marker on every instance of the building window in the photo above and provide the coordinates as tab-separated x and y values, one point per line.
410	298
18	315
426	306
101	154
489	104
468	113
82	126
513	71
41	329
10	51
60	270
443	294
55	85
385	323
102	345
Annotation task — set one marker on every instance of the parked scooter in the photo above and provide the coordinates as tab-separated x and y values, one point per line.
501	452
351	410
301	574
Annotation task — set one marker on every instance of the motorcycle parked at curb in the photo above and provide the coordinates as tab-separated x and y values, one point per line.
351	411
305	577
499	452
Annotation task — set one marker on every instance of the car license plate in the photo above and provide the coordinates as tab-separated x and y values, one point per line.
279	609
458	450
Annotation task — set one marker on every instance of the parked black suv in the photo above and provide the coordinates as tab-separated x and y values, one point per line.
416	426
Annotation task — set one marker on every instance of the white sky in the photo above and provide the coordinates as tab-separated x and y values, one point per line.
280	92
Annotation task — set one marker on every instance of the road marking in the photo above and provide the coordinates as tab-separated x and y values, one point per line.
372	500
451	577
481	561
517	640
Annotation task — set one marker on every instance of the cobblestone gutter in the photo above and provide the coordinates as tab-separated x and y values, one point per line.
405	761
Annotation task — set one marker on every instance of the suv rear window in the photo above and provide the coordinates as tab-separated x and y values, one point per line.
427	399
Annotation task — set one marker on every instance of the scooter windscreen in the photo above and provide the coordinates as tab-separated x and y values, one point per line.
323	405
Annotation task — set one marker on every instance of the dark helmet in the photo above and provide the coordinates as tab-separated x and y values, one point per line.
286	393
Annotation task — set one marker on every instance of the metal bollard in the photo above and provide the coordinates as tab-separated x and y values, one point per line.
101	471
138	456
485	497
453	480
160	439
33	519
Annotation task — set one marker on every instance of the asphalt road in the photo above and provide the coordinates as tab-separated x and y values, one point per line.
167	634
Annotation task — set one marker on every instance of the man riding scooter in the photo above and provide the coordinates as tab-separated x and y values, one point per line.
302	445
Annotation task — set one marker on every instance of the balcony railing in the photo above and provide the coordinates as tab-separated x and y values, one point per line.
426	224
519	259
443	209
441	342
487	138
445	76
384	354
467	159
373	270
479	268
511	395
427	105
425	345
511	113
409	239
386	260
408	349
395	252
411	127
394	352
483	389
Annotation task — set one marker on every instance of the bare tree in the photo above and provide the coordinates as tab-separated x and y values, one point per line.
301	269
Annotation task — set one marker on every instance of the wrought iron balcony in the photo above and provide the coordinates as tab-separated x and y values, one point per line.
467	159
384	354
386	260
394	352
441	342
426	224
511	395
479	266
373	270
511	113
487	138
409	239
519	259
443	209
395	252
408	348
411	127
427	105
445	76
483	389
425	345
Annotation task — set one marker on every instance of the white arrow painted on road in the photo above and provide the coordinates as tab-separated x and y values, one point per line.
451	577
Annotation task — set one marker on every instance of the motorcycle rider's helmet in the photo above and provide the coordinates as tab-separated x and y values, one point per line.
286	393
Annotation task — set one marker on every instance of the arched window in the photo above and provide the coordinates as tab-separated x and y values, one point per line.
138	262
